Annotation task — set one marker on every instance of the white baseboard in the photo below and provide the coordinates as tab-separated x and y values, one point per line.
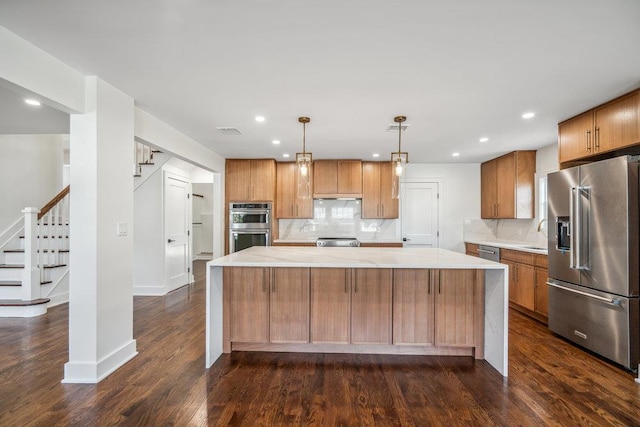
203	257
24	311
92	373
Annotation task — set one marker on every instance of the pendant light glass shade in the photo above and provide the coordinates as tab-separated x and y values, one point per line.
399	160
303	164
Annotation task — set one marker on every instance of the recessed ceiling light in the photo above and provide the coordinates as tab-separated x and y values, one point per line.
484	139
275	142
32	102
376	154
456	154
259	119
285	155
528	115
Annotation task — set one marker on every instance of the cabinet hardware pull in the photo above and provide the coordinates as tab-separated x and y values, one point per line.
440	281
291	210
429	281
588	140
596	140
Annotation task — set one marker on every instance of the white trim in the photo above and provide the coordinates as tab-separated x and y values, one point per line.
58	299
92	373
149	290
24	311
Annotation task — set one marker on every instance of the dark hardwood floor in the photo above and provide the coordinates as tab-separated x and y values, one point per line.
550	381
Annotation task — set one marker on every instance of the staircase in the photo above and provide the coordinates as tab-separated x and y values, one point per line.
34	260
147	161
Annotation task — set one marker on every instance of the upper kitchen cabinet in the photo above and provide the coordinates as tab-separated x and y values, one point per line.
250	180
289	205
609	127
337	178
376	191
507	186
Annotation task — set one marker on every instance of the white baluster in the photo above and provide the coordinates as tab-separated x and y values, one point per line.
31	273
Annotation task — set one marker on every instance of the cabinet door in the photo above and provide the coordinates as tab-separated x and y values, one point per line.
371	306
575	137
389	205
506	186
371	190
325	177
330	305
512	280
542	291
237	180
263	180
285	190
289	318
617	124
350	177
413	307
249	303
488	195
455	307
525	286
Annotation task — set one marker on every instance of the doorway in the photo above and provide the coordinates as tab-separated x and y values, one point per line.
421	214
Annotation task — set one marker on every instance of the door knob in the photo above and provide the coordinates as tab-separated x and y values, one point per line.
170	241
404	239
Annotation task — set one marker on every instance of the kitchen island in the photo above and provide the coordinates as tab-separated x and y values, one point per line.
357	300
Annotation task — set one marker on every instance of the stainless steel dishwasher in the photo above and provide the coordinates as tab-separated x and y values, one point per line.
489	252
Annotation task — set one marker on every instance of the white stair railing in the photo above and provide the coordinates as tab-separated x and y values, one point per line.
52	232
143	155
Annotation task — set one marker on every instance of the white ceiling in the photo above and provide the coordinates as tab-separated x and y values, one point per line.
16	117
458	70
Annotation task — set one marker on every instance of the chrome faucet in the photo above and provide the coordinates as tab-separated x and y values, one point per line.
540	224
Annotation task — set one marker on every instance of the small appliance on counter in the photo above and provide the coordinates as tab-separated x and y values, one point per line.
249	225
323	242
593	257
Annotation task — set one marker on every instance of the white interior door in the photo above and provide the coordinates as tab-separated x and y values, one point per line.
177	221
420	214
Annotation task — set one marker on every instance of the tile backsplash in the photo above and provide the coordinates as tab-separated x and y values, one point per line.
505	230
339	218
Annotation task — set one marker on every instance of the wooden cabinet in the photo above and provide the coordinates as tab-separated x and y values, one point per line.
289	311
371	306
377	181
541	287
413	307
507	186
455	307
337	178
472	249
250	180
330	305
609	127
288	204
248	292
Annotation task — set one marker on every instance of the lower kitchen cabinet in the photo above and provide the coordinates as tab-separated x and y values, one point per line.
330	305
542	289
248	290
289	311
527	282
456	307
413	307
371	306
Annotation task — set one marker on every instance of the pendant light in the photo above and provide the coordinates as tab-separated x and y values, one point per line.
303	163
399	160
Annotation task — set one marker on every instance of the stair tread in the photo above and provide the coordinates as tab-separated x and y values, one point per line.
22	265
46	237
146	164
21	303
137	176
17	283
17	251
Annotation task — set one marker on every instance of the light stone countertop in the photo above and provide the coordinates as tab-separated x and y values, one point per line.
291	256
524	247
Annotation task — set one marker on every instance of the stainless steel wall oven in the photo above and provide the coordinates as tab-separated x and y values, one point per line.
249	225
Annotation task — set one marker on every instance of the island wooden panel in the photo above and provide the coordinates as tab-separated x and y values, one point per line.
330	305
455	308
413	307
371	306
289	311
248	290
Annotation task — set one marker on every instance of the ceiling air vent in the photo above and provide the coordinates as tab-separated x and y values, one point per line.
229	131
394	128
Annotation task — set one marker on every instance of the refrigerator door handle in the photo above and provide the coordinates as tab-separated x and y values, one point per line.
572	220
603	299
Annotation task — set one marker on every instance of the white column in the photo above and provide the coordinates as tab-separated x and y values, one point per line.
101	280
31	272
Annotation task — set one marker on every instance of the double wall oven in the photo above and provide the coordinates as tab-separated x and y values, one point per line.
249	225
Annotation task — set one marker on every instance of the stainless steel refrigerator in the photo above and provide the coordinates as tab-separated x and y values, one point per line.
594	252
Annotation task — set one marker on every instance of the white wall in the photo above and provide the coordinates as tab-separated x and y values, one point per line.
203	214
547	159
459	196
30	173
